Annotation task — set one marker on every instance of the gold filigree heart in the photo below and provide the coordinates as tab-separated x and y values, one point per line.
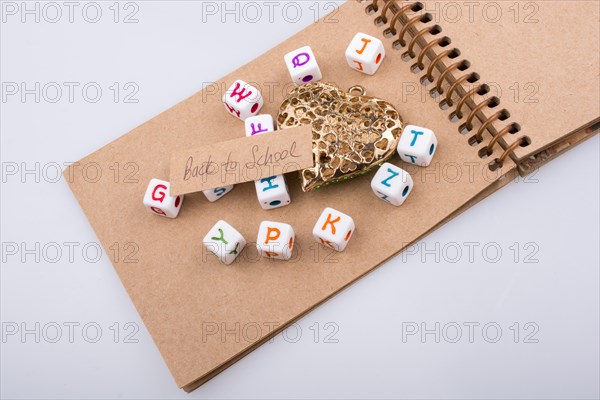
352	133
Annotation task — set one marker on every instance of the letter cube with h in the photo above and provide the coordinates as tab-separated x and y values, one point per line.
417	145
392	184
334	229
272	192
275	240
159	201
242	100
224	241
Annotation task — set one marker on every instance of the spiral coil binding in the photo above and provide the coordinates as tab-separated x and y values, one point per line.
418	27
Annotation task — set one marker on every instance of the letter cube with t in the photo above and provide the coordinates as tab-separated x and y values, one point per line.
334	229
417	145
303	66
392	184
275	240
272	192
242	100
365	53
224	241
258	124
158	199
215	194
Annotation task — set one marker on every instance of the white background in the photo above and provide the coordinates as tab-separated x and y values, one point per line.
167	54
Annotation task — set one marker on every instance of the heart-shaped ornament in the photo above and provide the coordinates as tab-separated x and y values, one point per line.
352	133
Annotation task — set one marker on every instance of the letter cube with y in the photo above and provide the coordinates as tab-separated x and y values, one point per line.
392	184
365	53
334	229
275	240
302	65
272	192
215	194
224	241
159	201
417	145
258	124
242	100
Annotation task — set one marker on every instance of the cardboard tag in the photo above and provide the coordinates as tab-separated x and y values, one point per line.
241	160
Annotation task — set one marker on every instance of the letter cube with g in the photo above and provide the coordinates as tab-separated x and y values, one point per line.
224	241
258	124
392	184
159	201
334	229
215	194
302	65
272	192
242	100
275	240
417	145
365	53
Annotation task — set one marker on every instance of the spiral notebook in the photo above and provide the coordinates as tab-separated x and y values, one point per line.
502	97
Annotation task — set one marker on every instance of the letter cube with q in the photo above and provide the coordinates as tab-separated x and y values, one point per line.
258	124
242	100
334	229
302	65
365	53
159	201
272	192
275	240
224	241
417	145
392	184
215	194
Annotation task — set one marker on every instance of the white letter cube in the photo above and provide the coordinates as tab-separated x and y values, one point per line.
224	241
215	194
258	124
365	53
417	145
242	100
334	229
392	184
272	192
302	65
159	201
275	240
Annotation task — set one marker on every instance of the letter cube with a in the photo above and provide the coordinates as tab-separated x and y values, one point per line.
365	53
392	184
417	145
159	201
302	65
224	241
334	229
275	240
242	100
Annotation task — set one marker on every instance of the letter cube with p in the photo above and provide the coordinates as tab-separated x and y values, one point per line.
158	200
392	184
365	53
334	229
417	145
242	100
224	241
302	65
275	240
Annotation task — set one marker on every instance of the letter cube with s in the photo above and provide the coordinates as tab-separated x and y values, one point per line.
365	53
159	201
417	145
215	194
242	100
334	229
275	240
224	241
392	184
302	65
272	192
258	124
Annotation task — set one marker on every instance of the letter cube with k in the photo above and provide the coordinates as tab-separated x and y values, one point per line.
417	145
224	241
334	229
159	201
215	194
392	184
302	65
242	100
272	192
275	240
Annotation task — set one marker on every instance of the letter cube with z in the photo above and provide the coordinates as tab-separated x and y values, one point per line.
365	53
215	194
159	201
302	65
242	100
275	240
259	124
272	192
224	241
392	184
417	145
334	229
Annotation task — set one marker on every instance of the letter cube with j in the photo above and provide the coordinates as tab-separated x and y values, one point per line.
242	100
392	184
159	201
275	240
272	192
334	229
417	145
215	194
302	65
224	241
365	53
258	124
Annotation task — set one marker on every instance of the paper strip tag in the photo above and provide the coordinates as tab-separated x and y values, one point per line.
241	160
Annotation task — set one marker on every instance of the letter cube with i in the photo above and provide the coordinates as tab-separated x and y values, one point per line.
302	65
258	124
334	229
215	194
272	192
159	201
365	53
417	145
275	240
242	100
392	184
224	241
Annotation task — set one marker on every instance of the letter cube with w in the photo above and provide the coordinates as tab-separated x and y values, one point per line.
334	229
275	240
224	241
242	100
159	201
